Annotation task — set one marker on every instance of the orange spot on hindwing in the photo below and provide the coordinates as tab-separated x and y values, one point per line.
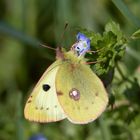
74	94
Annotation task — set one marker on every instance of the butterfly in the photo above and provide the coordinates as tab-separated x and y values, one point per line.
68	89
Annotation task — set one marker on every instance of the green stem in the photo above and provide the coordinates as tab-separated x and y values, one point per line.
122	75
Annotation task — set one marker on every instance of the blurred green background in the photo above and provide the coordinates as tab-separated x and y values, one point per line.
24	24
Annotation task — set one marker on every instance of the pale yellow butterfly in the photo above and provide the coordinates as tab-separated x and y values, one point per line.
68	89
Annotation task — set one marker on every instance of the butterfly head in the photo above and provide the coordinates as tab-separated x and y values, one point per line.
82	45
79	48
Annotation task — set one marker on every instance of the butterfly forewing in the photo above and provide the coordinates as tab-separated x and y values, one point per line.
80	92
43	105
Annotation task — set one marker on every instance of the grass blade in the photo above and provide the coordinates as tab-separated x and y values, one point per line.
126	12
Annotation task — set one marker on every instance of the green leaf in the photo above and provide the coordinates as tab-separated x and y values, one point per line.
110	47
115	28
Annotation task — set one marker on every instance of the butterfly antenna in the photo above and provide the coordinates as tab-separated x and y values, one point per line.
61	39
62	36
45	46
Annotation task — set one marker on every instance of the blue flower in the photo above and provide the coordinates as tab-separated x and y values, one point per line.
82	45
38	137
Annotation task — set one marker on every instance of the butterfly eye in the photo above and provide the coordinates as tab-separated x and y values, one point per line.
45	87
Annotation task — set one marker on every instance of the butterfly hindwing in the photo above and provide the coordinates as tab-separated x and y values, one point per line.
80	92
43	105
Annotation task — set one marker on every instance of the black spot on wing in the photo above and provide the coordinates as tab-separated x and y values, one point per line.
96	94
41	108
46	87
